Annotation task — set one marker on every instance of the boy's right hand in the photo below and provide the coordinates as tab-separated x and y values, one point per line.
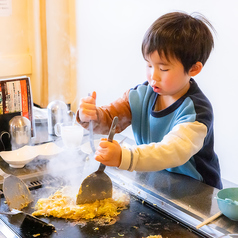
87	108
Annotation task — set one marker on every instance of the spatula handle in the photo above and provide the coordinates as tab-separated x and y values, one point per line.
112	129
110	139
101	167
91	140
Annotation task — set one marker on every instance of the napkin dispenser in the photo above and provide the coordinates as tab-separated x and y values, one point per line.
15	100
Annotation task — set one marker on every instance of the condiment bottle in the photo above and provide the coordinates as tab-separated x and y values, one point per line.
20	131
57	113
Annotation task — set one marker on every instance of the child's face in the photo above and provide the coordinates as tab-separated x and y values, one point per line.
167	78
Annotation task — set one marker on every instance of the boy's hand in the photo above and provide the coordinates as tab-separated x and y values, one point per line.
87	108
108	153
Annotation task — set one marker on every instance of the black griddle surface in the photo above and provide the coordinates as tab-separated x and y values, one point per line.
139	220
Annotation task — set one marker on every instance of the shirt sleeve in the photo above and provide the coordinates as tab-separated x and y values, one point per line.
105	115
176	148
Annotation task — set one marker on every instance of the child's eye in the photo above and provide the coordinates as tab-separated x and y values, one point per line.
164	70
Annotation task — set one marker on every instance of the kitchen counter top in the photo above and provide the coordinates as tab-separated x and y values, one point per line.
180	197
186	199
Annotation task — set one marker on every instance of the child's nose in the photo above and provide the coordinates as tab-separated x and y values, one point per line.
155	75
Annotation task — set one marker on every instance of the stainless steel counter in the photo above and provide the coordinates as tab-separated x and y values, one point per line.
187	200
183	198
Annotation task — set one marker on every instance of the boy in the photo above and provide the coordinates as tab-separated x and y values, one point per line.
172	120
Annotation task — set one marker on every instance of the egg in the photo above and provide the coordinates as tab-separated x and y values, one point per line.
63	206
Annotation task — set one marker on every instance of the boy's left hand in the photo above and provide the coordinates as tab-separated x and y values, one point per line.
108	153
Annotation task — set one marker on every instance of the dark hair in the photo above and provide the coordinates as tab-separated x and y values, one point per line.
181	36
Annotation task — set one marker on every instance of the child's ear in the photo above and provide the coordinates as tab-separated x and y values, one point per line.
195	69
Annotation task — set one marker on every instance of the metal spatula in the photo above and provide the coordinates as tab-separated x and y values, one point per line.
15	191
29	224
98	185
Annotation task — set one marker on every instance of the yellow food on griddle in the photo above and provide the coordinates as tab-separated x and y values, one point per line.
156	236
63	206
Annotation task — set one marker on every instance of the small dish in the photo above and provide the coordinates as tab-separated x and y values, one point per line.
20	157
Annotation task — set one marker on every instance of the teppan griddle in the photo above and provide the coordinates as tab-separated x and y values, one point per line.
174	204
146	215
139	220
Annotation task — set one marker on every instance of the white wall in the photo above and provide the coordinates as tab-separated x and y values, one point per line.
110	61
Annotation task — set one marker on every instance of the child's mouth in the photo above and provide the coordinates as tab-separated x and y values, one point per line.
156	89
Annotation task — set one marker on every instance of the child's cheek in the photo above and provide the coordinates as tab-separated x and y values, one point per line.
148	76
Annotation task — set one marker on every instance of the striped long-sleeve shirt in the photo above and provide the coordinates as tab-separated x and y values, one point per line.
179	138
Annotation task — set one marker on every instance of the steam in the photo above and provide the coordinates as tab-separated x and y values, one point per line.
72	167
